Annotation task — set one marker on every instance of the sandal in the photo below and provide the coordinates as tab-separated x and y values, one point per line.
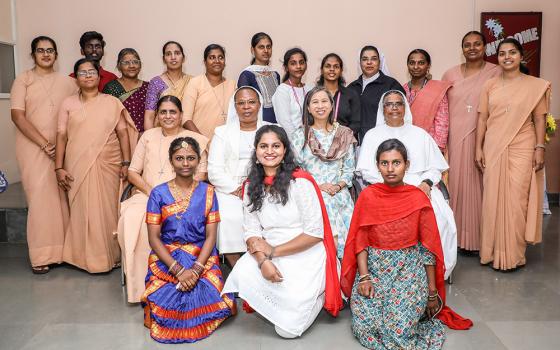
40	270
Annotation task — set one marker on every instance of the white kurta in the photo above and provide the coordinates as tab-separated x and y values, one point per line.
292	303
228	159
426	162
288	103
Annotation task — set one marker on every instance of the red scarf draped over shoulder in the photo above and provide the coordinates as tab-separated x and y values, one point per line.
381	204
333	297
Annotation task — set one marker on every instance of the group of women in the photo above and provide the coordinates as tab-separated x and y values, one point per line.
286	214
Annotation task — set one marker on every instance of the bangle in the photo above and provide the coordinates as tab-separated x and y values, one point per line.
125	163
199	264
271	255
339	187
57	169
540	145
180	271
368	280
196	273
428	182
260	264
172	265
45	146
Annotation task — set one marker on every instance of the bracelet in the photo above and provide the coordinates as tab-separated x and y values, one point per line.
339	187
172	265
45	146
197	269
125	163
199	264
271	255
260	264
180	271
540	145
368	280
196	273
57	169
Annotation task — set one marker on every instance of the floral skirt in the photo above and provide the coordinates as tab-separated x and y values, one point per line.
184	317
392	319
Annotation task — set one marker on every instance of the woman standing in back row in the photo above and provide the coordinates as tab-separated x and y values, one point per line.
465	181
259	76
35	98
510	153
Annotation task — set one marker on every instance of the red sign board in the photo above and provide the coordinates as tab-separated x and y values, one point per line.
526	27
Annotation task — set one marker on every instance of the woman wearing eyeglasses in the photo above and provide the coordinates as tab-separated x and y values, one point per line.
172	82
128	88
93	150
35	98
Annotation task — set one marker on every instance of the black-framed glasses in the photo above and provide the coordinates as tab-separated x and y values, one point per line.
48	51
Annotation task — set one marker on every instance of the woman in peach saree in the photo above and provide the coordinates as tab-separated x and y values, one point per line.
92	156
465	180
150	167
35	98
510	153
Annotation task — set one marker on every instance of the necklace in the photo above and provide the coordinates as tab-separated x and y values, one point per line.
171	80
220	104
181	199
295	94
469	105
410	97
47	91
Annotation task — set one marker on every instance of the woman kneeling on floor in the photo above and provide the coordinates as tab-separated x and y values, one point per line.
291	271
395	247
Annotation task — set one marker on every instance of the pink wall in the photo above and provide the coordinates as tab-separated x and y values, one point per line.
396	27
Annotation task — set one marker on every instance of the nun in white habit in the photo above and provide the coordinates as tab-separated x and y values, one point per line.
230	153
394	120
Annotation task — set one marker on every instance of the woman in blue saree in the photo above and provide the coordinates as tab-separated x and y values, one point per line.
182	302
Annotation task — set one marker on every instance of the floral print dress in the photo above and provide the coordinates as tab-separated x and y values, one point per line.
340	206
392	319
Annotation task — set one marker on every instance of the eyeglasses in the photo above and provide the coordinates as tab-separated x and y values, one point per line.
85	73
369	59
392	105
48	51
131	63
248	102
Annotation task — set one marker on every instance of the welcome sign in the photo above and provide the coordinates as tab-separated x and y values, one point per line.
526	27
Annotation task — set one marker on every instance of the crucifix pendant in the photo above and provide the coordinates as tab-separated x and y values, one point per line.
469	108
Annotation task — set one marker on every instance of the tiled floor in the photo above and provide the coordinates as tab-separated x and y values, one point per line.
70	309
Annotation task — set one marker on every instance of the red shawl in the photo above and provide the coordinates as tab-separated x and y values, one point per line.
381	204
333	297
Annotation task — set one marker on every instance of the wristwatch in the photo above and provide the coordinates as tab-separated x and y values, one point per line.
125	163
428	182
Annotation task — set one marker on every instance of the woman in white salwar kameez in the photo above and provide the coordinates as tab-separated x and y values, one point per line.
394	120
230	153
291	271
290	95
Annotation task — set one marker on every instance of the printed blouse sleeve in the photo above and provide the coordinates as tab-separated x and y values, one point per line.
153	209
251	223
152	95
309	207
348	167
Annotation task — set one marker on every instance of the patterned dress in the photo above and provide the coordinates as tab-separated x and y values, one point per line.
340	206
392	319
171	315
133	100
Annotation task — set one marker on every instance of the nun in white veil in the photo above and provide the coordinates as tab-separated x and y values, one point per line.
230	153
426	164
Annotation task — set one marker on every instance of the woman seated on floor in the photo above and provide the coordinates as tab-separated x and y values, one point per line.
182	302
393	263
291	271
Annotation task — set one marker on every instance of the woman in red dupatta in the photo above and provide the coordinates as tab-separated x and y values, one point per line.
291	271
393	263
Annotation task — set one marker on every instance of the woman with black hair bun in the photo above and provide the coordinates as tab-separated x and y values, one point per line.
510	146
291	271
290	95
259	75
